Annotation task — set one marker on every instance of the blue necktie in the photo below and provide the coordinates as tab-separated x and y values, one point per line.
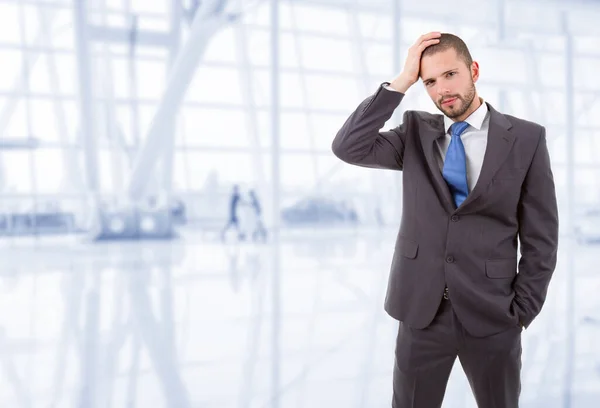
455	164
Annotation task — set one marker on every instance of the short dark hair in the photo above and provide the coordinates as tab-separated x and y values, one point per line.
448	41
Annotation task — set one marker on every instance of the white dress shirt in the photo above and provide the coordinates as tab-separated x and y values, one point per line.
474	139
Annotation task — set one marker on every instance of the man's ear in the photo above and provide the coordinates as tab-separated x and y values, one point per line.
475	71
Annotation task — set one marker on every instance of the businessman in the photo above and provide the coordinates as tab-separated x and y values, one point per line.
476	184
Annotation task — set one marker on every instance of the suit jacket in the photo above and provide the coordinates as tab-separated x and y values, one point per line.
471	249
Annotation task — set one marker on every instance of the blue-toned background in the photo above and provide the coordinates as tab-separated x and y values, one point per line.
127	125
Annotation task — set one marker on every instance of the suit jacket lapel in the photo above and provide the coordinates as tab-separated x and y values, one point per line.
499	144
431	131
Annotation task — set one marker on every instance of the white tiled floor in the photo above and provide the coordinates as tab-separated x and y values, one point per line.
190	323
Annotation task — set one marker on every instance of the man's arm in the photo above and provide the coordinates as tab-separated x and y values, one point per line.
360	140
538	234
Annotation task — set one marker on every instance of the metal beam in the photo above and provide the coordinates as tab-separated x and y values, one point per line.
24	73
111	129
184	67
86	115
122	36
501	38
275	212
570	170
90	350
176	19
444	14
304	91
161	355
23	393
19	144
134	99
246	74
74	176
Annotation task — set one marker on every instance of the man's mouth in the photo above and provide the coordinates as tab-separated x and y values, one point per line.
449	101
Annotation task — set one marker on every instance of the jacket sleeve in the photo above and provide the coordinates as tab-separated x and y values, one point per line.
538	235
360	141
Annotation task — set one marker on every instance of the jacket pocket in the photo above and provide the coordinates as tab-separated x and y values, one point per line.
407	247
501	268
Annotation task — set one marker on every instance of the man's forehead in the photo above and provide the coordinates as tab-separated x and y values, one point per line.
438	64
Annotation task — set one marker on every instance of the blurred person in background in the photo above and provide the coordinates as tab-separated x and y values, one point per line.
234	214
258	226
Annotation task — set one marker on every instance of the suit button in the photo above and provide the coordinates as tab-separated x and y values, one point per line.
450	259
454	218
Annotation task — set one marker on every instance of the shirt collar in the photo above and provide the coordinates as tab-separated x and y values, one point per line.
475	119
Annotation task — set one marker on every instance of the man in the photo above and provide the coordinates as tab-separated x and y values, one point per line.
476	182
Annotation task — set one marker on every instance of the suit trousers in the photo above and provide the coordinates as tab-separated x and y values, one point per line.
424	359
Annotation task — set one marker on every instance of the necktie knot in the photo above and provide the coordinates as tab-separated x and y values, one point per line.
458	127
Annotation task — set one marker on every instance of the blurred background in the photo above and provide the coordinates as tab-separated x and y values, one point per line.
175	231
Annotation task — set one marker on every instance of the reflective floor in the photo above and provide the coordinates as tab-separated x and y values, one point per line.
196	323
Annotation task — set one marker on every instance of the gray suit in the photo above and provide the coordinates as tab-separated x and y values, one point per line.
471	250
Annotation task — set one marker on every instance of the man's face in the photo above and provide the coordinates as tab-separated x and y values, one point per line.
449	82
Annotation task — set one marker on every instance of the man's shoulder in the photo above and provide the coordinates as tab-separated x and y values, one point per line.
519	125
522	122
424	116
524	125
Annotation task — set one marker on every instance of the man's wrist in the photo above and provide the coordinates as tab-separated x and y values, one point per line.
388	86
400	84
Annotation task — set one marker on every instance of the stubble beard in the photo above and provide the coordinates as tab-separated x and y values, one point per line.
466	102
